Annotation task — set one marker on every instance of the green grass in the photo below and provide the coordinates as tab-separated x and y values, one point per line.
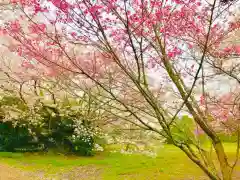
170	163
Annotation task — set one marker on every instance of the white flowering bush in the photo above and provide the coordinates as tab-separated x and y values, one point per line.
97	147
133	141
56	126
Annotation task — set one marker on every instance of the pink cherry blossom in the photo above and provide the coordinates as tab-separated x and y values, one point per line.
15	26
37	28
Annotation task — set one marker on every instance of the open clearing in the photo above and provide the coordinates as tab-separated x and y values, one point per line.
170	164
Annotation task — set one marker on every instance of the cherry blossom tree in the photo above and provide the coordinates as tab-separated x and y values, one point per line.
113	45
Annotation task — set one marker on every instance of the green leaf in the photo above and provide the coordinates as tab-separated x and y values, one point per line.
41	93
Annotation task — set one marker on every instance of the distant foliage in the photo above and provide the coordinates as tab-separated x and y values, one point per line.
186	130
183	130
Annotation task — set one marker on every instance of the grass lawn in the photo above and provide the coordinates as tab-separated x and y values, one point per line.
170	163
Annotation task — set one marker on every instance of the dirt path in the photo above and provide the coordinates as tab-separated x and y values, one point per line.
11	173
79	173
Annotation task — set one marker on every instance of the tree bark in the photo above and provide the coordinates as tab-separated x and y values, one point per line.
226	169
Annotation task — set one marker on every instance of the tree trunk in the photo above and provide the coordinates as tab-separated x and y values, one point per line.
226	170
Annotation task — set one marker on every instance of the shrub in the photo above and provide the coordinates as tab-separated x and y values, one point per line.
82	146
15	138
42	127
